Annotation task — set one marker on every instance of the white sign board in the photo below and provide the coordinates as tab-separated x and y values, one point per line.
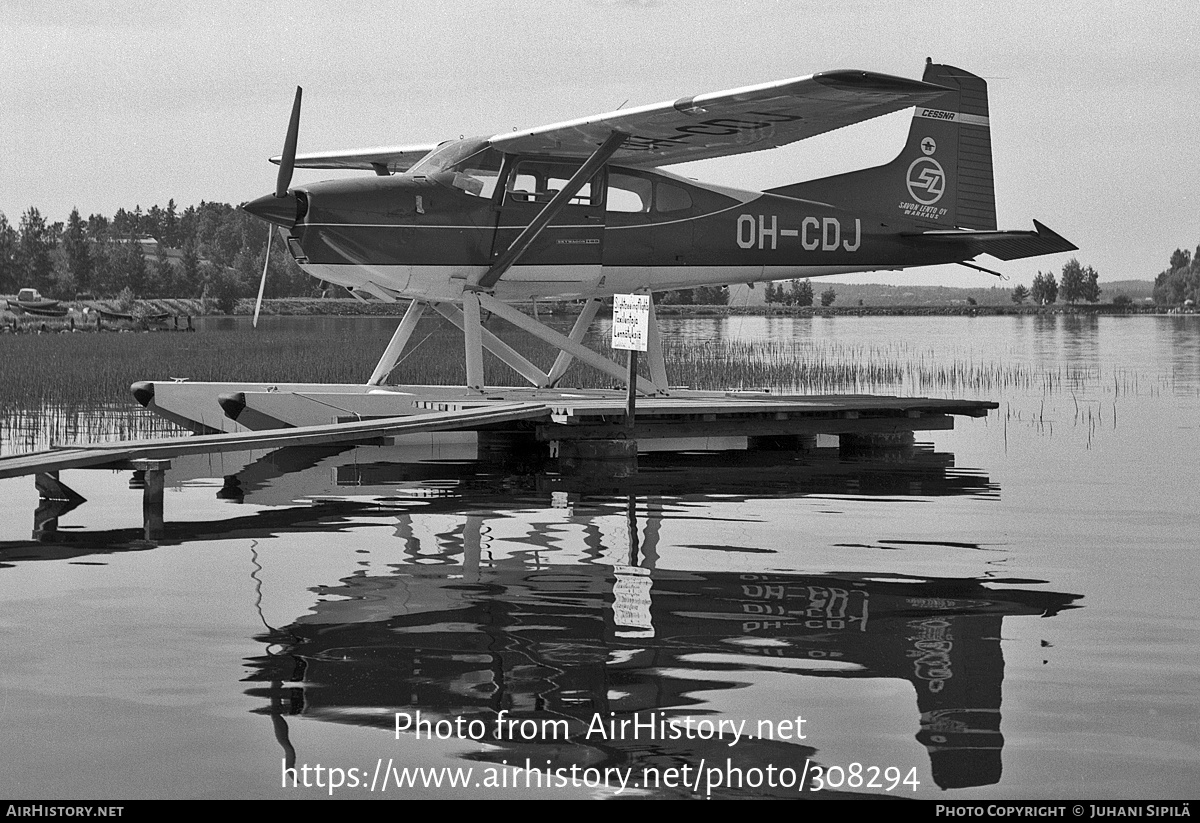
631	321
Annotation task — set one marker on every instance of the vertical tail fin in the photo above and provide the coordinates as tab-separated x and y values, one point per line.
943	176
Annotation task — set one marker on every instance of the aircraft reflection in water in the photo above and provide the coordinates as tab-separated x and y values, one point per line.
576	613
468	625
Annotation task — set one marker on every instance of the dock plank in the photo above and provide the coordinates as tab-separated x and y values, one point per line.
121	454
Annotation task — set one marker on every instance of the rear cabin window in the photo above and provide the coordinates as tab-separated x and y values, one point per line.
628	194
639	195
670	198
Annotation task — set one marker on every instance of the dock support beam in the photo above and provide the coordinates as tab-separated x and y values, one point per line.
511	448
152	496
896	443
781	442
55	499
598	459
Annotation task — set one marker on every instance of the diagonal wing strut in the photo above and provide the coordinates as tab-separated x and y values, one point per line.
525	239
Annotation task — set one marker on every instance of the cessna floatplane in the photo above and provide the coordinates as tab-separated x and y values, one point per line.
584	209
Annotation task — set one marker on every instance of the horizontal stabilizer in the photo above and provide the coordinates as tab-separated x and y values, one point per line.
1004	245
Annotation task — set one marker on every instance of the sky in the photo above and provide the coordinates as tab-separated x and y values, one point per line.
1095	106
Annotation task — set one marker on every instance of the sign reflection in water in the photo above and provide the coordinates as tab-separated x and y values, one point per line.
465	626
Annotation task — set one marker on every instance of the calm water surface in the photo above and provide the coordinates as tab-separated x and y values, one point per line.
1008	611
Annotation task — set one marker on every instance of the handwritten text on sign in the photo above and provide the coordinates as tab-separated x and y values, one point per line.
631	321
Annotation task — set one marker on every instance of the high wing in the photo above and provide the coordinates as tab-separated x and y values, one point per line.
381	159
741	120
729	122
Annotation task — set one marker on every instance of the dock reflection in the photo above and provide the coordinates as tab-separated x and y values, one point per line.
313	489
581	612
591	624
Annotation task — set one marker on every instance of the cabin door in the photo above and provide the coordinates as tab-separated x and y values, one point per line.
566	257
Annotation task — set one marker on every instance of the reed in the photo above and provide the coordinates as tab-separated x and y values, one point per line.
95	370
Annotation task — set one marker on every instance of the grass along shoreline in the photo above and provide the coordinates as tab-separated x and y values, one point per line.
82	315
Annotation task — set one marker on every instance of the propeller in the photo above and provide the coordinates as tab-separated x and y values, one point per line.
262	284
288	161
286	164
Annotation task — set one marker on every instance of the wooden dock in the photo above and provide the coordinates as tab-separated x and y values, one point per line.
579	416
586	430
127	454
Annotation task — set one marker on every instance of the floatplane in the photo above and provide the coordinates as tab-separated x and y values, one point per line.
582	210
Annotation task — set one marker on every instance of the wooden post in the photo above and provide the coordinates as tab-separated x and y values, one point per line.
55	499
631	318
631	529
631	392
152	496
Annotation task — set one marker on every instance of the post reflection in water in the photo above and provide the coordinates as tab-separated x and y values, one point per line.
575	623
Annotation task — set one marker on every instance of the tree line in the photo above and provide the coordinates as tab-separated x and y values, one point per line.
212	249
797	293
1078	283
1181	281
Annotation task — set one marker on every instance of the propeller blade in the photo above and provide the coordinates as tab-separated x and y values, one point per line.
262	284
288	160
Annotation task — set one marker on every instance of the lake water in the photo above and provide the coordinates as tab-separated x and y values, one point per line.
1009	610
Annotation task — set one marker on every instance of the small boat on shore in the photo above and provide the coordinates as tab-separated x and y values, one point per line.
38	308
108	314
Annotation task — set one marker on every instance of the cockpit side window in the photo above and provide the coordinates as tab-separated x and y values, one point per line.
475	166
537	181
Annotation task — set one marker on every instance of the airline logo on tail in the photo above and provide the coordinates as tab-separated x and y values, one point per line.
926	176
926	183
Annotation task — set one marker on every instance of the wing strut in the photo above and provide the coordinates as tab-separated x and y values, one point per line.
525	239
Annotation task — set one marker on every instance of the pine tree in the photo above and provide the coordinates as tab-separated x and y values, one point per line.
78	253
1045	288
171	226
36	268
1090	288
9	246
1071	284
191	265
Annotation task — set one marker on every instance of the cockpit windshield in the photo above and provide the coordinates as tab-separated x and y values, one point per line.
474	164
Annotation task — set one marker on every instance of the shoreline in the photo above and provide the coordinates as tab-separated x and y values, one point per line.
179	310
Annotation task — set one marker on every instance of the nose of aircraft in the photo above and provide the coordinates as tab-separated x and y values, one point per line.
282	211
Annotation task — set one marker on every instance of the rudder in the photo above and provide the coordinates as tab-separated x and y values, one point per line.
943	176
